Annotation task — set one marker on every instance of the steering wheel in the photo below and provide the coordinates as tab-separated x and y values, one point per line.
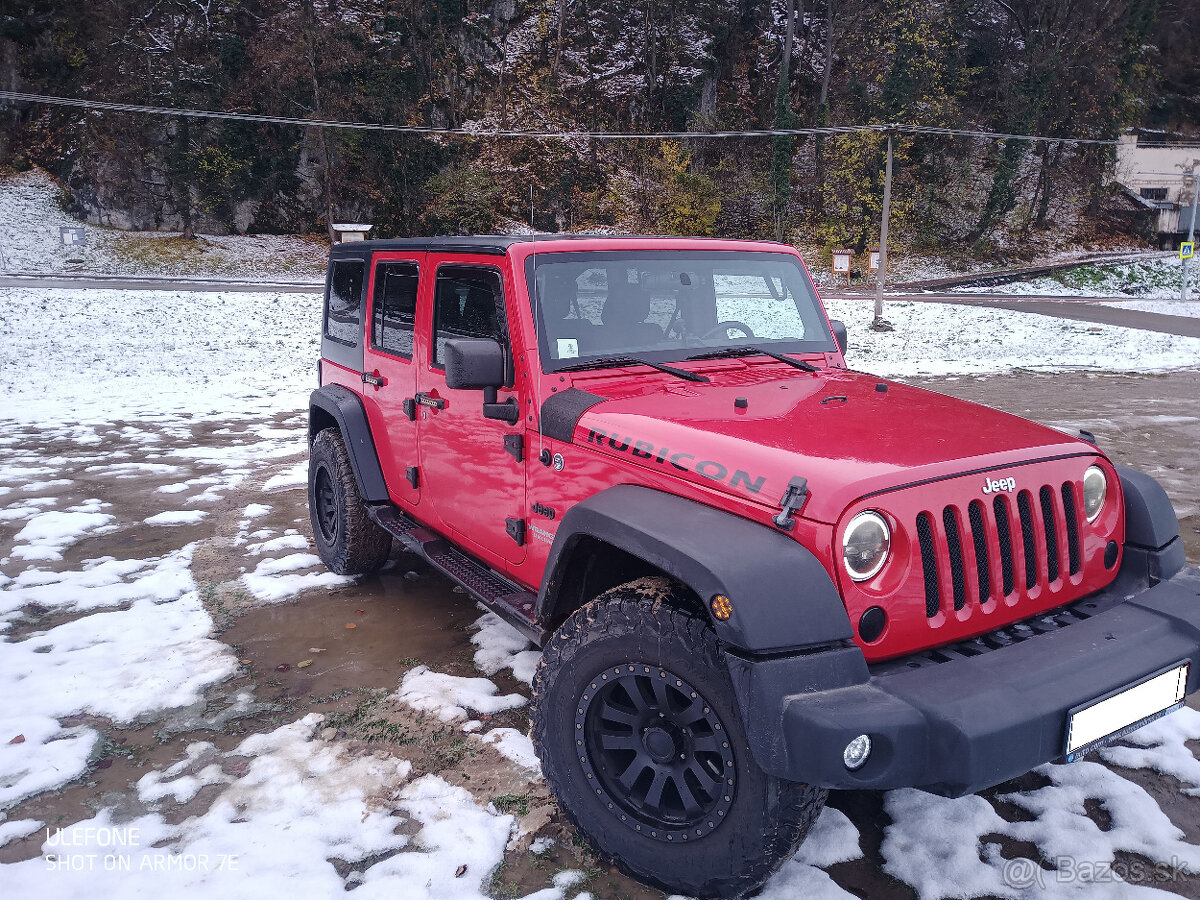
723	327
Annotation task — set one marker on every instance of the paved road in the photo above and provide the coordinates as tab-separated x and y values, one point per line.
1082	309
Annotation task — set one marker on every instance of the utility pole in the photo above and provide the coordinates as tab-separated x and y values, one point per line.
879	324
1183	294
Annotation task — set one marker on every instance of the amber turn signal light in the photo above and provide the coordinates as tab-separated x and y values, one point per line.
722	607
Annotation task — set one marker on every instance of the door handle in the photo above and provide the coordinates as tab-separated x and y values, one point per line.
374	378
425	400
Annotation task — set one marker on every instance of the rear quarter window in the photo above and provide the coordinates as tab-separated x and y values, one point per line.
394	308
343	307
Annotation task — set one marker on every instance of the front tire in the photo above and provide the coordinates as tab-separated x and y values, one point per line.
641	740
347	539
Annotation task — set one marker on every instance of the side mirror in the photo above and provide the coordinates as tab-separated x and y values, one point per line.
839	334
473	364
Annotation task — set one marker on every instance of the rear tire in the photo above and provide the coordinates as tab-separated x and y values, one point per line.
641	740
348	540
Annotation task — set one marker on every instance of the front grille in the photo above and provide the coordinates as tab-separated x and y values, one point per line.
1038	545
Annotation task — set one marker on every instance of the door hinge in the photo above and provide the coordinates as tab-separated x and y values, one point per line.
410	409
413	476
516	530
514	444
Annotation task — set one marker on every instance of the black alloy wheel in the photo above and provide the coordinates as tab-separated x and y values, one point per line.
348	540
326	505
658	752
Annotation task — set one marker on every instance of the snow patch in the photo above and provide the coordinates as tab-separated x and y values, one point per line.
514	746
47	534
450	696
177	517
503	647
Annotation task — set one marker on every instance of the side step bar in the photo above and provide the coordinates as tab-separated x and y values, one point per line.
513	604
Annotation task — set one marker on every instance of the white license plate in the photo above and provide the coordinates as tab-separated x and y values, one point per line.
1125	710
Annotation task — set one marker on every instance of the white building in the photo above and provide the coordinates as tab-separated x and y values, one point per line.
1158	174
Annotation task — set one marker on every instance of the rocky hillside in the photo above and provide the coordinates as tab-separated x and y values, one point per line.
1058	68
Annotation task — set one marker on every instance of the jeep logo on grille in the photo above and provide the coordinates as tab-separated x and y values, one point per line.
996	485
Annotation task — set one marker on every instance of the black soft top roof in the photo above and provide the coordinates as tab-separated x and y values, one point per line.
494	244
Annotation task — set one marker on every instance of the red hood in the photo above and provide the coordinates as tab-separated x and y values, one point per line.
837	429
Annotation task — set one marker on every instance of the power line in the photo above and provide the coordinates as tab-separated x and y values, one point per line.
891	128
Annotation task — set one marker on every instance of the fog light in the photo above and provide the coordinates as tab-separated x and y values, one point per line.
856	752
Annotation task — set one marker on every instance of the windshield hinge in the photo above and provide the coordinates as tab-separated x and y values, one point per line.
791	501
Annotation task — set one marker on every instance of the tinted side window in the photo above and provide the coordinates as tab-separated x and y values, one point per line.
395	308
342	310
466	304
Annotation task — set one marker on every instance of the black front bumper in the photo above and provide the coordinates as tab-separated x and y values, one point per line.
970	722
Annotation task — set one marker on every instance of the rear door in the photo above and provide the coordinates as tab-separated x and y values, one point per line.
389	370
475	486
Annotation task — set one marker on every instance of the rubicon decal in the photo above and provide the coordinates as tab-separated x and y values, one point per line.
999	485
681	460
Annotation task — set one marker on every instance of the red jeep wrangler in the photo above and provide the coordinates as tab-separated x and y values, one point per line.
756	574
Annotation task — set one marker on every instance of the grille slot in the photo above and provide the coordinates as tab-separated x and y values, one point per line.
1025	510
933	599
979	536
954	545
1046	496
1004	532
1068	495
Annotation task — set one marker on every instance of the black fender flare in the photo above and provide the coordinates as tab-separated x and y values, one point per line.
783	598
346	410
1153	549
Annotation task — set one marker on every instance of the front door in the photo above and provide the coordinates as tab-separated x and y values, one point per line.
389	371
475	486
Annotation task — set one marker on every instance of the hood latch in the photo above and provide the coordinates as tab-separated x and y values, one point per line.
792	501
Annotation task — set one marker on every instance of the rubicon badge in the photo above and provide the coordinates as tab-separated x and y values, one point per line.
997	485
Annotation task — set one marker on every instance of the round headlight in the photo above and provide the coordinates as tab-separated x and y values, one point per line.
865	545
1095	489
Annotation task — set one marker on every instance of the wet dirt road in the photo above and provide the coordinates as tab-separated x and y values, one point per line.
361	637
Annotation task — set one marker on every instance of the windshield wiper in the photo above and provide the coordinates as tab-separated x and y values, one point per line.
607	362
757	351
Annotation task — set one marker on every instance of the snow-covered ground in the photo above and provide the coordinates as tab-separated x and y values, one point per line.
101	355
31	223
948	339
1153	279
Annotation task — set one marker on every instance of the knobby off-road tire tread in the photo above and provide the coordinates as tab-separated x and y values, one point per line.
364	546
655	605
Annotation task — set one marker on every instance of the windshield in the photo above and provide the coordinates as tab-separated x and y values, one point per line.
668	305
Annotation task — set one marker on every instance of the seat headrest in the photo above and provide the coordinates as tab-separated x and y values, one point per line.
627	304
557	295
